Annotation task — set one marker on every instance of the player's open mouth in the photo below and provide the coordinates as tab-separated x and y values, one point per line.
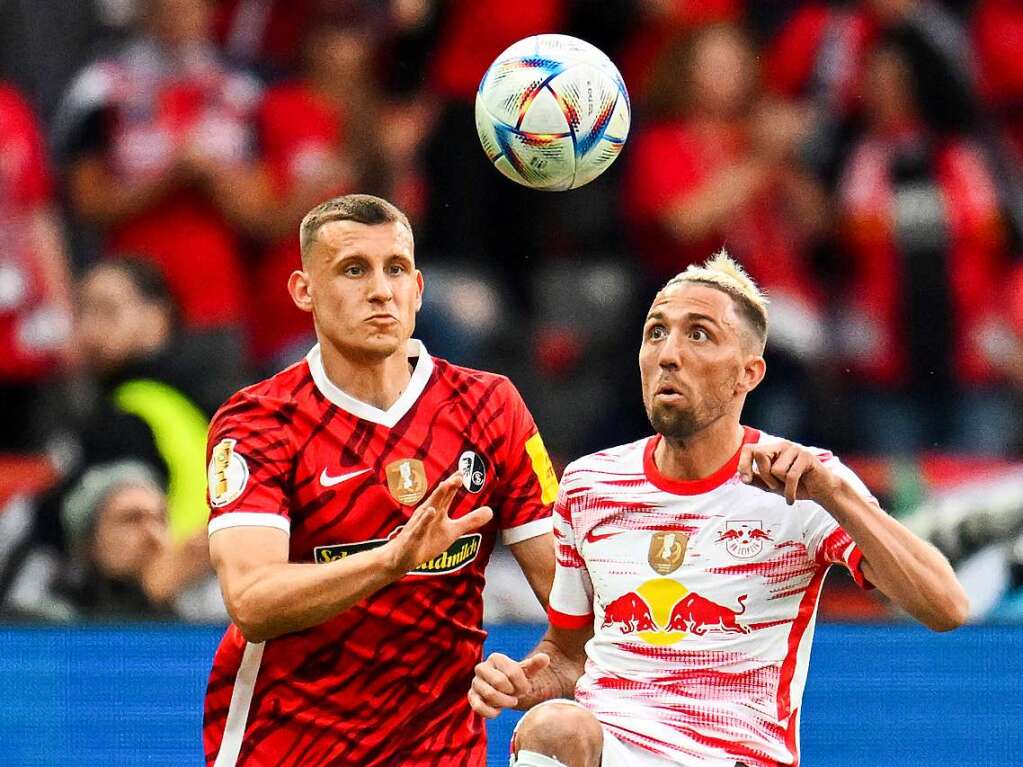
667	390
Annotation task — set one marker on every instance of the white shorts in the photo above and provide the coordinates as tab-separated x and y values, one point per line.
619	754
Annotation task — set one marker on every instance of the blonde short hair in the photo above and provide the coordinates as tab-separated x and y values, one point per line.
722	272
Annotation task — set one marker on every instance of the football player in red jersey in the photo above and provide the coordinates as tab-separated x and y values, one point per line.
355	500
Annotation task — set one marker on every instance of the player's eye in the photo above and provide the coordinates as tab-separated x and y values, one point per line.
656	332
354	270
699	334
398	269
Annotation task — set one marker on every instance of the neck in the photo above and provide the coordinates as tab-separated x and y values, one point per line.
377	381
700	454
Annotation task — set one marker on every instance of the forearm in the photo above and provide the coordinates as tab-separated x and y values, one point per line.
558	679
716	201
103	200
281	598
907	569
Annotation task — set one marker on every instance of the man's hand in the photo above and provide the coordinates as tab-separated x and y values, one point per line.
430	530
500	682
788	469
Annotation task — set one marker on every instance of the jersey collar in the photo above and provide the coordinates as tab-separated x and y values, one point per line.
360	409
693	486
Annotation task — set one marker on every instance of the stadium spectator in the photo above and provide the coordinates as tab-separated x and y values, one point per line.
819	56
997	33
717	164
329	132
157	141
121	562
925	236
147	403
35	303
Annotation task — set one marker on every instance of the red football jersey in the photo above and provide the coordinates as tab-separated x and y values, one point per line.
385	682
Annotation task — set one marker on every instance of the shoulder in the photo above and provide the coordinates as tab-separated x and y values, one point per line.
270	402
618	461
471	382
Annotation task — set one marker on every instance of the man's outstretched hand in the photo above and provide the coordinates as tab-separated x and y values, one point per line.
430	531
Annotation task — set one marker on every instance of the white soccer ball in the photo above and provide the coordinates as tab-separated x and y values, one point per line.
552	112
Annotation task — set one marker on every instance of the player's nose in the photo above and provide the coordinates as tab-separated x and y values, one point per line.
380	287
669	355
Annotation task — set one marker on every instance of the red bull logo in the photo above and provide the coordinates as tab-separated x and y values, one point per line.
744	538
663	611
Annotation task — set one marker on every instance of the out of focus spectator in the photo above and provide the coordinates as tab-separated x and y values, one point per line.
923	228
819	56
263	35
144	406
997	33
157	141
330	132
717	165
121	562
35	305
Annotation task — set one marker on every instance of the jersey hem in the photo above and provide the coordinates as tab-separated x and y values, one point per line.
565	621
523	532
249	519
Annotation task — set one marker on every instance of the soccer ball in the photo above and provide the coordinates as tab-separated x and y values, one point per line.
552	112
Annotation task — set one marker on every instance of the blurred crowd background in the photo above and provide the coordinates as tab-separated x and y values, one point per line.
863	159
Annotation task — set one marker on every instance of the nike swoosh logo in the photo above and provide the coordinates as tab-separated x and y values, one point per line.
592	537
328	481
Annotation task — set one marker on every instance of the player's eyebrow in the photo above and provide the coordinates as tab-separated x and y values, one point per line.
654	316
697	317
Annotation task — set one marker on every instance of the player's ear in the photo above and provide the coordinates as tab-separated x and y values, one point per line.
420	285
753	372
298	287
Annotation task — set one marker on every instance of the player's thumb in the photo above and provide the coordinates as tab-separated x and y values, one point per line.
475	519
535	663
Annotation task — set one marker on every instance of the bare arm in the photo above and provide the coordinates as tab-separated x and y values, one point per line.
550	671
907	569
716	201
102	199
267	596
536	558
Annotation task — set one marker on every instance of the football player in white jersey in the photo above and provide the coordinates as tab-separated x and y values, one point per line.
690	564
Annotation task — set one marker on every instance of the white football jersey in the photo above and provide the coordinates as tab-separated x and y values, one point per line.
702	596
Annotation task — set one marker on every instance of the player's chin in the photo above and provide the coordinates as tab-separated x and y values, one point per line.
671	420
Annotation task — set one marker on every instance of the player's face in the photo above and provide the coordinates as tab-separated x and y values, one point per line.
131	529
695	361
363	287
116	324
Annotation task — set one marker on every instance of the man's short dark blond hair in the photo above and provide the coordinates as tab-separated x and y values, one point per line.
360	208
722	272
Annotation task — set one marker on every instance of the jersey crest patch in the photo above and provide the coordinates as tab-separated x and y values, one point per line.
473	470
227	474
744	538
406	479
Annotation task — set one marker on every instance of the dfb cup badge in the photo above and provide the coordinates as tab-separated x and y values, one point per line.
667	551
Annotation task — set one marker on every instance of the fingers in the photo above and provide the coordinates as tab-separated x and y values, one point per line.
746	462
491	696
792	477
534	663
780	465
482	708
511	670
762	470
445	491
474	520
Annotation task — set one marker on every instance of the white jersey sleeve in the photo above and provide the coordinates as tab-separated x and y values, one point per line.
826	541
571	600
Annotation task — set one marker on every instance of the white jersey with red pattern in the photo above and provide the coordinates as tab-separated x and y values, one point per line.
702	596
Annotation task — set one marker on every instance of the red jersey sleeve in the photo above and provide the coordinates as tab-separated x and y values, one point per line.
529	483
826	541
250	465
